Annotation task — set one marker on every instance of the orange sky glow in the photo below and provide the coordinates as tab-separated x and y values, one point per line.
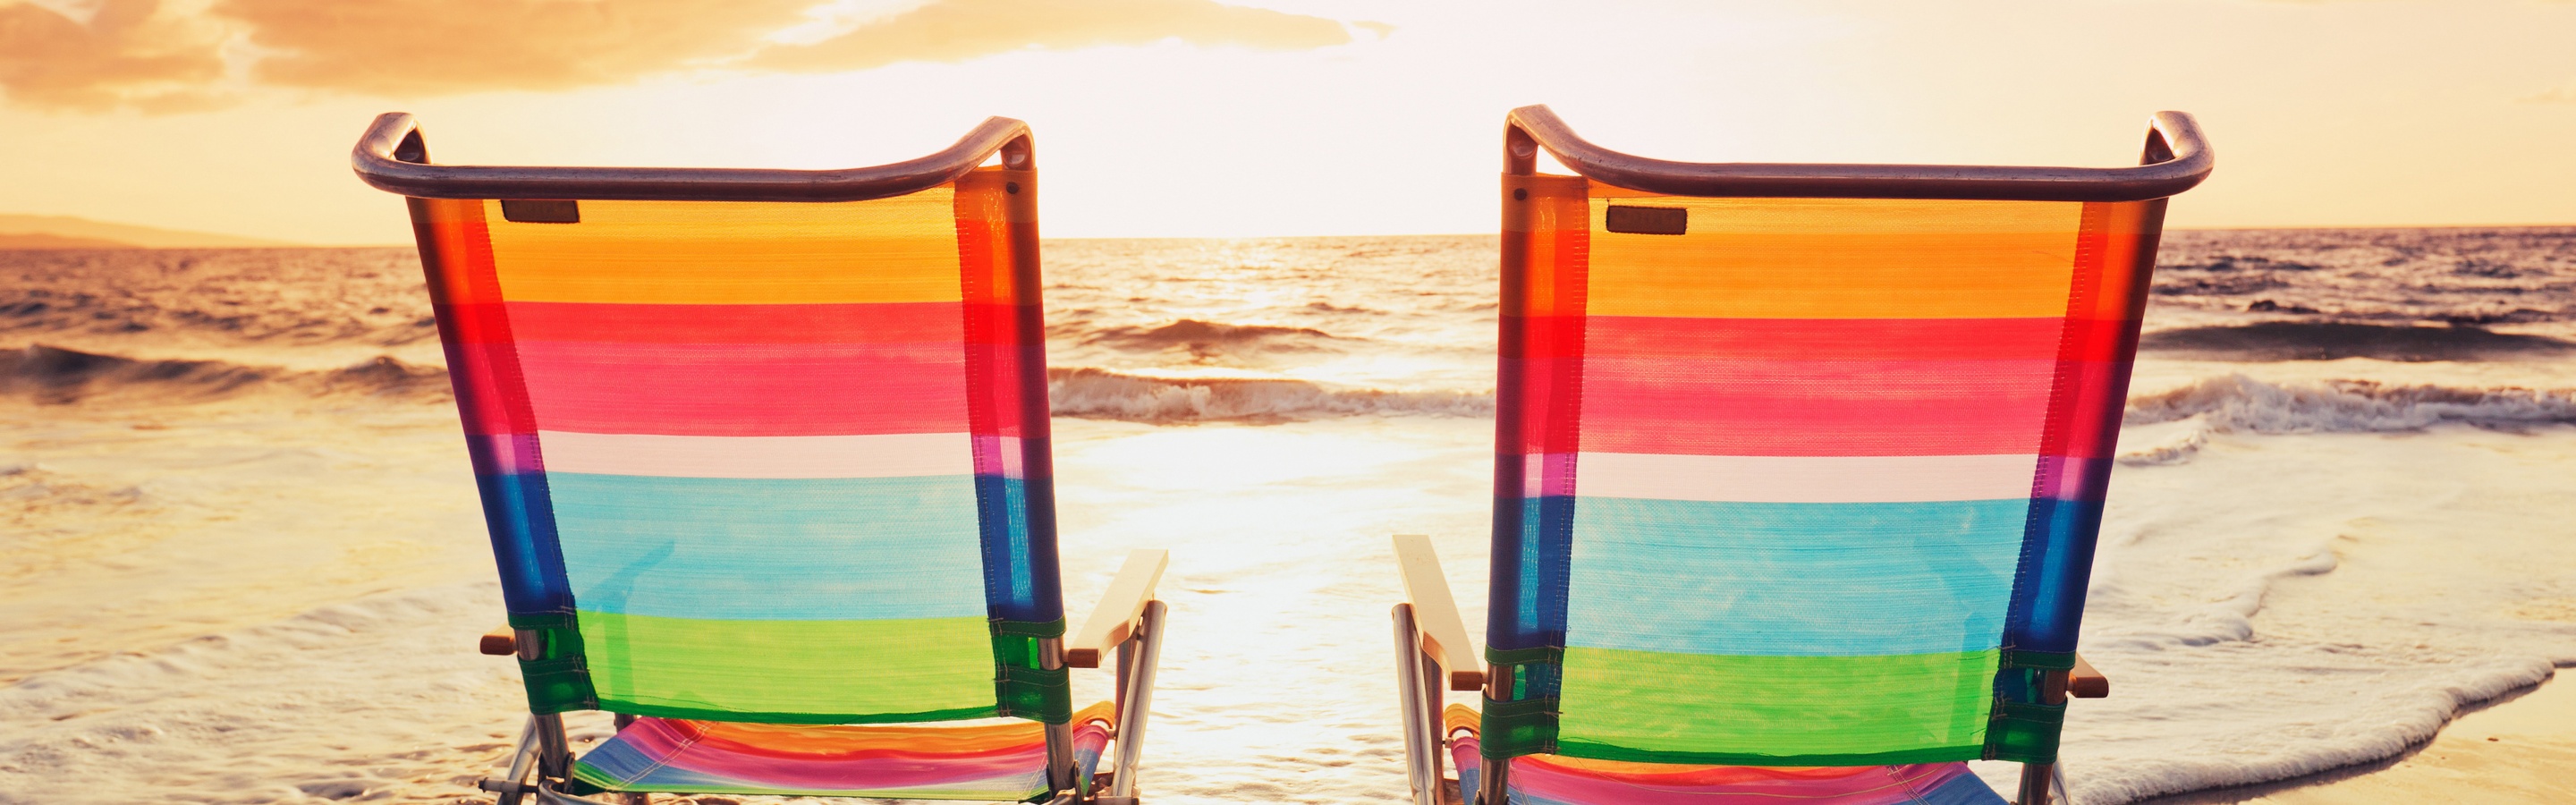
1280	117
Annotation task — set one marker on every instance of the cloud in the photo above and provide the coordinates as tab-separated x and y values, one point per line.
429	47
127	53
140	53
956	30
2565	94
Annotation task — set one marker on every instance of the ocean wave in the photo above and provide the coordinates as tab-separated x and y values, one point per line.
2509	275
2176	451
2236	403
1095	393
260	296
2325	341
1213	342
54	375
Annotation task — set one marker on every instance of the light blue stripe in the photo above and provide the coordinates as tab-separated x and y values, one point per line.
771	548
1792	579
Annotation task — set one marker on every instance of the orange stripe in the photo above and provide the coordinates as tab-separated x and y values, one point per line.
901	249
1757	258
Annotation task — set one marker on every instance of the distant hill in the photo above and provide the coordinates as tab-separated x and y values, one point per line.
66	232
43	241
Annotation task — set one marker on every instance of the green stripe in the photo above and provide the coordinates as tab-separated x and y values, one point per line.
791	671
1775	711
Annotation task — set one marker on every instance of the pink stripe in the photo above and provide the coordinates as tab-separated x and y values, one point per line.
483	384
1002	369
746	390
870	769
1770	407
1677	784
2096	399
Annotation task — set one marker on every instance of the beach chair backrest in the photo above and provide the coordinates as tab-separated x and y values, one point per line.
749	452
1795	470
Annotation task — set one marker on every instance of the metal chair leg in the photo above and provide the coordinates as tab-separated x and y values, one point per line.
1421	740
523	759
2035	779
1493	787
1136	700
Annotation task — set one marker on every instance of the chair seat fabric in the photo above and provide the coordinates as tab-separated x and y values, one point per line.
991	761
1557	780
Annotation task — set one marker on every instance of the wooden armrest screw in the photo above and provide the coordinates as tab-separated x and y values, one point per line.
2086	683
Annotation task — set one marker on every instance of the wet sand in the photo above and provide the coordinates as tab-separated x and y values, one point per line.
2520	751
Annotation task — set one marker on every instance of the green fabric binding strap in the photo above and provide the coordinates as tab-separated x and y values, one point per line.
1512	729
2049	660
1035	694
1518	656
1021	686
2025	733
557	680
2019	729
1053	628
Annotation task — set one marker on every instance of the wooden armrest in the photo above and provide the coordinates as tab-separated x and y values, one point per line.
1435	613
2086	683
501	642
1114	620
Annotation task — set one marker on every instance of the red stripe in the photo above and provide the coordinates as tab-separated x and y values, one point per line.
745	390
1762	407
1817	339
894	322
734	324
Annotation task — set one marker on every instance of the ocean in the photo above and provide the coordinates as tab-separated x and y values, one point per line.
241	559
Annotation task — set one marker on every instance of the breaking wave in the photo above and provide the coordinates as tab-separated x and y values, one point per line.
2325	341
54	375
1102	394
1207	343
2236	403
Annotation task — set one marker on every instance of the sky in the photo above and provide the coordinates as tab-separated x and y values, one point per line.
1194	118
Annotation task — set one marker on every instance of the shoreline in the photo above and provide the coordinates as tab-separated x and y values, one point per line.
2514	749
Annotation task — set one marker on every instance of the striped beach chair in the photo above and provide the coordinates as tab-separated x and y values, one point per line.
1798	474
764	458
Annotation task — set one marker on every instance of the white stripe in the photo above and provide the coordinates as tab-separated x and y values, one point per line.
1804	479
882	456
